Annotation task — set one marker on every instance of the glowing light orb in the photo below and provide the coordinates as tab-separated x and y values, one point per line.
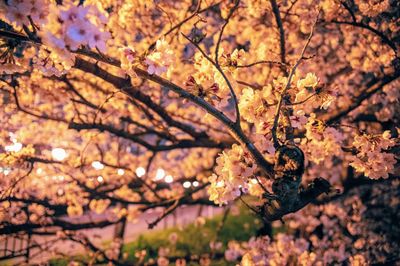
140	171
6	171
160	174
169	179
60	192
58	154
15	147
187	184
97	165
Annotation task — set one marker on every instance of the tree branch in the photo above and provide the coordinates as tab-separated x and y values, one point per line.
279	23
292	71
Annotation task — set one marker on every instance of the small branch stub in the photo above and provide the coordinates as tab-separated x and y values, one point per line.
288	195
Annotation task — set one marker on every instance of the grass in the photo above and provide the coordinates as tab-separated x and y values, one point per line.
195	239
192	239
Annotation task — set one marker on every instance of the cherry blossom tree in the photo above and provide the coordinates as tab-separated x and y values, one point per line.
120	107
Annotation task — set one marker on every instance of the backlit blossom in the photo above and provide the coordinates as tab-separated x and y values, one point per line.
160	59
17	12
233	170
358	260
153	129
99	206
129	58
61	28
372	7
232	60
310	81
323	142
77	33
326	98
298	120
372	158
97	40
233	252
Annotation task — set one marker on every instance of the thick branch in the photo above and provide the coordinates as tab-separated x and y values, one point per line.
378	33
185	143
124	84
292	71
279	23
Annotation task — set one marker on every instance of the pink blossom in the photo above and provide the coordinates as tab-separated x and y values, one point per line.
298	120
154	67
18	14
77	34
98	40
161	59
74	13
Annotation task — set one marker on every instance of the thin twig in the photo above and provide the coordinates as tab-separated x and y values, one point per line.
167	212
291	74
263	62
119	82
248	206
378	33
195	13
218	67
223	28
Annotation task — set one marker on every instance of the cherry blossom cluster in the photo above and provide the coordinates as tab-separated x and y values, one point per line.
22	12
78	26
372	158
254	106
372	7
322	142
284	249
71	27
231	61
232	173
366	59
346	83
330	8
160	60
307	88
262	251
323	225
62	29
211	81
387	101
129	59
257	107
157	62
